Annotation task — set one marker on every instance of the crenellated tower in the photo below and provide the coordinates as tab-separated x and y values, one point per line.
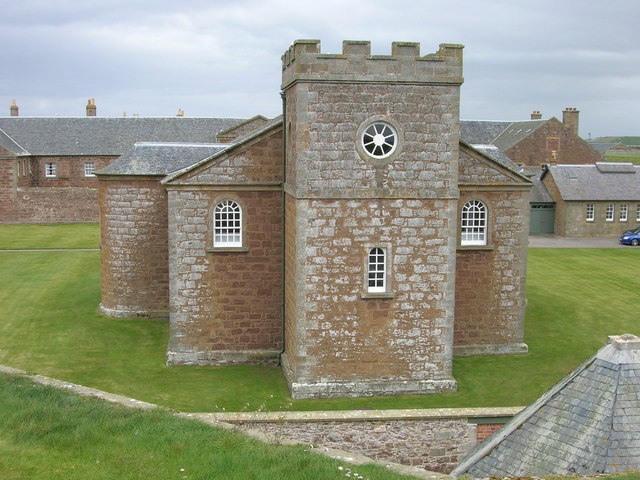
371	189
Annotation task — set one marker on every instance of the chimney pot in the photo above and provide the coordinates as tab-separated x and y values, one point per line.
536	115
91	107
14	109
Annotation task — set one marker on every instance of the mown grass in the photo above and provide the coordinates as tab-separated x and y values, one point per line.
79	235
49	324
50	434
623	157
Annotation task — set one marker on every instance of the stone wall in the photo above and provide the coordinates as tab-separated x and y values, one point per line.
490	280
435	439
226	304
343	201
342	341
571	218
135	271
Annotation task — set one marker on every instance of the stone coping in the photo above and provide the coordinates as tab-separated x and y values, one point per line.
289	416
361	415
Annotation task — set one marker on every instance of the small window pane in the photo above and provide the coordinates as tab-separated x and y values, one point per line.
377	270
473	223
624	211
50	169
227	230
590	212
89	169
610	212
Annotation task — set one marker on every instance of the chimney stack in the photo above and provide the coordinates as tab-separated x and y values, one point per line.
570	119
14	109
180	113
536	115
91	107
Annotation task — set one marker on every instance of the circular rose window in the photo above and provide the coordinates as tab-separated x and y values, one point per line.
379	140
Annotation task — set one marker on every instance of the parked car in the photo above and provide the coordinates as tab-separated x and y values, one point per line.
631	237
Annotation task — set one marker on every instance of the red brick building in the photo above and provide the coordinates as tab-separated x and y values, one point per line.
48	165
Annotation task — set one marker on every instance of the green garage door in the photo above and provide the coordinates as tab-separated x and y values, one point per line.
542	218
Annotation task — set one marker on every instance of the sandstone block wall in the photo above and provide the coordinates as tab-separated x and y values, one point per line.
135	269
324	160
226	304
571	219
490	281
342	202
341	339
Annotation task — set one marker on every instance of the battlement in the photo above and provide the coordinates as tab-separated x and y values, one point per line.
304	61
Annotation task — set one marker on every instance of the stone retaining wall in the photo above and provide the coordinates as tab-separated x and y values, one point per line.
434	440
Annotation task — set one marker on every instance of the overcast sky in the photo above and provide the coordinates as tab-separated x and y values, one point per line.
214	58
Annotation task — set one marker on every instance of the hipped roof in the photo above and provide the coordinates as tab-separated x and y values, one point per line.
589	423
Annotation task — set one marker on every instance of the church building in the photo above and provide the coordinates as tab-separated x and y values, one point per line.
355	239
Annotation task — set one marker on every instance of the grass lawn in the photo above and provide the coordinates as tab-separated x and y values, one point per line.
49	325
79	235
50	434
623	157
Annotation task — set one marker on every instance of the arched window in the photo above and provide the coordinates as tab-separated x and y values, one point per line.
227	224
474	223
377	270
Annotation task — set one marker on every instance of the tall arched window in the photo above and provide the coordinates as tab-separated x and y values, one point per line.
377	270
227	224
474	223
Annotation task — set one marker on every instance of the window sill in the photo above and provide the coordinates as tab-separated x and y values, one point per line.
227	250
476	247
371	295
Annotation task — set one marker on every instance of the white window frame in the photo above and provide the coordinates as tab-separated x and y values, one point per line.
50	170
611	212
624	212
227	224
591	212
89	169
638	213
473	223
377	270
379	140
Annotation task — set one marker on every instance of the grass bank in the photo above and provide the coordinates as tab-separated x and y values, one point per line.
51	434
49	324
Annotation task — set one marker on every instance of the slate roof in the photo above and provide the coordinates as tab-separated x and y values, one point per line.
103	136
160	158
481	132
600	182
589	423
273	123
495	154
516	132
539	193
